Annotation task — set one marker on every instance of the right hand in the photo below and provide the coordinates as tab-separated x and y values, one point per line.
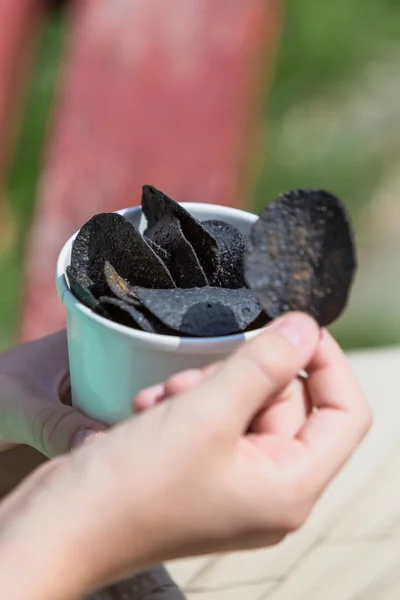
209	470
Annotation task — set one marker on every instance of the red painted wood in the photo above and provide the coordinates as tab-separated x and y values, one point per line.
18	21
153	92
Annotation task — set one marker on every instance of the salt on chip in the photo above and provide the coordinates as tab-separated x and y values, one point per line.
301	256
156	205
118	285
231	248
80	287
161	253
202	312
111	237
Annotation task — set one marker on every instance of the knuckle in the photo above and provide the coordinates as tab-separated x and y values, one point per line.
367	420
208	426
293	520
46	426
294	506
174	383
276	364
361	420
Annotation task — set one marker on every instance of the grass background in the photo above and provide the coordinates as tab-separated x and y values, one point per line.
331	120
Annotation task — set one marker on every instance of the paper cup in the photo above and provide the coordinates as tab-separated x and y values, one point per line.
110	363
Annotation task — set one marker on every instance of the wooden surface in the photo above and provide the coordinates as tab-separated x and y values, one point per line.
152	92
350	547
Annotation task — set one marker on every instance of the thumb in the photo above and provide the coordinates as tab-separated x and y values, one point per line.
261	368
60	429
30	415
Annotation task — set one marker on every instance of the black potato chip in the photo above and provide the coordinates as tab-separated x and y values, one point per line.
202	312
110	237
118	285
231	247
181	260
301	256
161	253
80	287
132	316
156	205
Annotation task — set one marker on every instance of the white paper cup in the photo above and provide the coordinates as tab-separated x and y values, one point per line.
110	363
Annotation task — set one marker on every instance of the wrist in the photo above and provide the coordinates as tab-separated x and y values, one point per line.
36	540
93	536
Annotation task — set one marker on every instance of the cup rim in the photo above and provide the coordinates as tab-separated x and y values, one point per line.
172	343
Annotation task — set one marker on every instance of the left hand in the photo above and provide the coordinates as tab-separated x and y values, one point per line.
36	418
35	409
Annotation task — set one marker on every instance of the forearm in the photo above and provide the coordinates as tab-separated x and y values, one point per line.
57	530
37	548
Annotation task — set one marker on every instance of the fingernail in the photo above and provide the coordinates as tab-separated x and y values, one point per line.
285	326
155	391
148	398
84	436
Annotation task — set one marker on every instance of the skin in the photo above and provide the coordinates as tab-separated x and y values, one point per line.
35	408
260	446
36	419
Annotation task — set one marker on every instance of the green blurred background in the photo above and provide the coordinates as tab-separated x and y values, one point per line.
332	120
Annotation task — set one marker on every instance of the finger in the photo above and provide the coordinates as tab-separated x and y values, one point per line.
184	381
30	416
260	369
52	370
148	398
333	431
287	414
181	382
177	384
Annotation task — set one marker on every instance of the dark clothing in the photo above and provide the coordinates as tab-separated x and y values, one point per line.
154	584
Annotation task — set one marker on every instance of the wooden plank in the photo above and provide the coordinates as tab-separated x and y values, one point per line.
153	92
352	571
248	592
189	569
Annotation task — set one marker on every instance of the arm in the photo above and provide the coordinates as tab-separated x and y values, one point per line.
35	408
244	480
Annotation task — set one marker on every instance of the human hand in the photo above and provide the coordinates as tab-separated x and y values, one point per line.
34	390
35	409
237	461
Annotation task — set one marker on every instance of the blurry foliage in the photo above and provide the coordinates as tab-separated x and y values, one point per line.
325	48
329	122
23	175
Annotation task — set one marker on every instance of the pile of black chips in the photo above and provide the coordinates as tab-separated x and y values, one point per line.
204	279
